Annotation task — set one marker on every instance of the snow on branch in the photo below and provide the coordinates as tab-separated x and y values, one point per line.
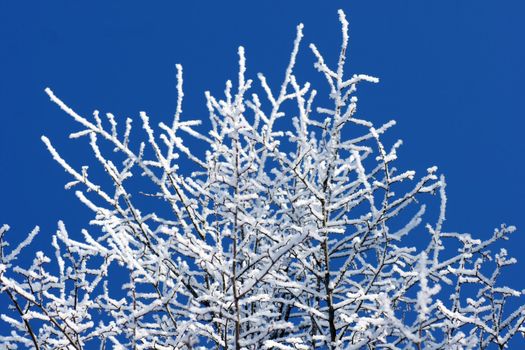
292	236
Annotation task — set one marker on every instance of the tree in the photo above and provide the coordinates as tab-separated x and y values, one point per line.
287	233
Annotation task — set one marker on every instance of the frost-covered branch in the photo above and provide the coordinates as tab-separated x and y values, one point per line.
285	226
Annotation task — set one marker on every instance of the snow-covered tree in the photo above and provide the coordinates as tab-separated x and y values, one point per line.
292	230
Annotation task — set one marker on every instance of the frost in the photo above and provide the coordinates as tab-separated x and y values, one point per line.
282	236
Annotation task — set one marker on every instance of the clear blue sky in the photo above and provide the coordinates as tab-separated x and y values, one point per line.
452	75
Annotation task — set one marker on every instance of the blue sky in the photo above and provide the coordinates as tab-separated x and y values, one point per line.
451	73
